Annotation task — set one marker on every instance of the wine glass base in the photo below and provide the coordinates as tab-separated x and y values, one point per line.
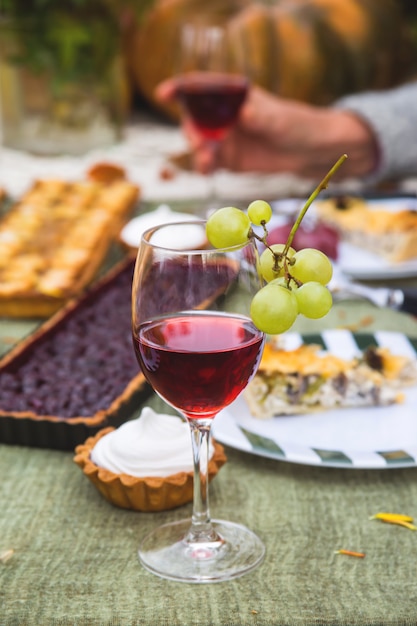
169	553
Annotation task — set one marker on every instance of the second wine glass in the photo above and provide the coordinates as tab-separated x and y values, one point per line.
212	84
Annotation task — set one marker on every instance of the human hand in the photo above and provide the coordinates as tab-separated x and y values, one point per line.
276	135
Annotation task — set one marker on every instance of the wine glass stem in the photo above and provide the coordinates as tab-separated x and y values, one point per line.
201	528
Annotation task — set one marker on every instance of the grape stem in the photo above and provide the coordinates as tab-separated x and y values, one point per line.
283	256
322	185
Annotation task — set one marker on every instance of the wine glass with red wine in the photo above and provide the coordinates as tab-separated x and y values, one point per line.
212	84
198	349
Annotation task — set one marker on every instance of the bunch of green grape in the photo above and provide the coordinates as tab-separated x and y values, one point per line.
295	281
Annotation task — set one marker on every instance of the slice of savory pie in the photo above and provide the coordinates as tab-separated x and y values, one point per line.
304	380
389	234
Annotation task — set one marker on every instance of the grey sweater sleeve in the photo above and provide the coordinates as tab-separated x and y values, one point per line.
392	115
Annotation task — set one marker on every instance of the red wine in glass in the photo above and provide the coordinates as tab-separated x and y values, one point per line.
212	100
201	361
212	82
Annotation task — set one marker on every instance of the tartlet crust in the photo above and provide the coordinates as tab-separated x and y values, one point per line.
142	494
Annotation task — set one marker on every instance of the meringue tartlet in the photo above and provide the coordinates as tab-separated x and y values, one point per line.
145	464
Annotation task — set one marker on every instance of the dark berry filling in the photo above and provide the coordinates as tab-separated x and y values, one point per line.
84	362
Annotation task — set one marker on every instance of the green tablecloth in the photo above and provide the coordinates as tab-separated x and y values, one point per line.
75	556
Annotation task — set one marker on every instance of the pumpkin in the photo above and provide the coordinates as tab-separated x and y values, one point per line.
310	50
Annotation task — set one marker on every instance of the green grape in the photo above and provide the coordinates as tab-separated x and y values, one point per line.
267	261
274	309
227	227
283	282
314	300
259	211
311	265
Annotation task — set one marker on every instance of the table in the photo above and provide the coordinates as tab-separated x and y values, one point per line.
75	556
145	151
74	560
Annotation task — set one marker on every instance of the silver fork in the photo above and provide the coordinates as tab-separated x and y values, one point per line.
400	299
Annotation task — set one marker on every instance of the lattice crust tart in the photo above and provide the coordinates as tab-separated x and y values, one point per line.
142	494
77	373
53	240
304	380
390	234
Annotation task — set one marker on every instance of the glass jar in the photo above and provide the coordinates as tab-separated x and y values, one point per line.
63	88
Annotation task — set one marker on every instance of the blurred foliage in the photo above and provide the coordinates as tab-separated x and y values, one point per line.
409	12
70	40
15	7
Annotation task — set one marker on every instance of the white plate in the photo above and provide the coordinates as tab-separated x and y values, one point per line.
357	262
370	438
192	236
363	265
